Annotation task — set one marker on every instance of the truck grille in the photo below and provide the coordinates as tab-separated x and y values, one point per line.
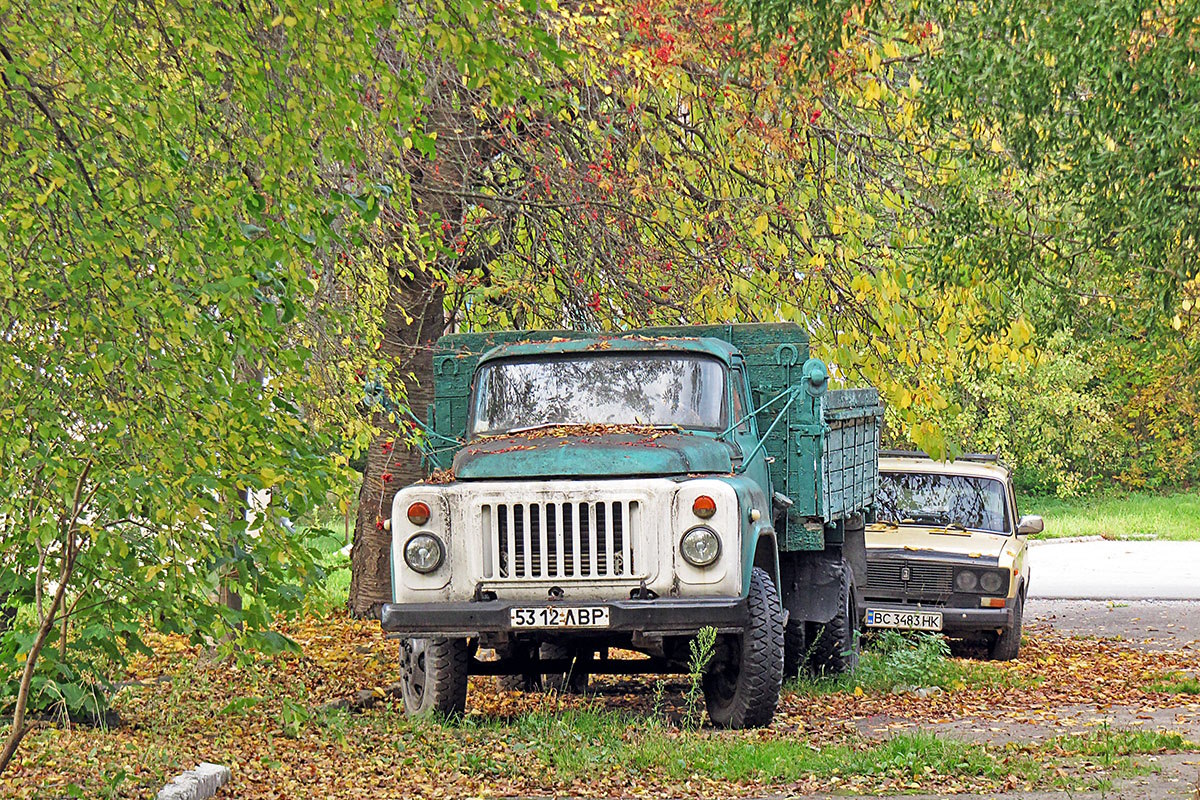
559	540
925	581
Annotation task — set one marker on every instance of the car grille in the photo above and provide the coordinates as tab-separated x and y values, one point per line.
902	580
573	540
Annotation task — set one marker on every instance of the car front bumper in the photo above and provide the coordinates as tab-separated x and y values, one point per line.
660	616
954	620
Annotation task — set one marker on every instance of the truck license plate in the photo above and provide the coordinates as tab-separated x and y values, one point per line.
559	617
910	620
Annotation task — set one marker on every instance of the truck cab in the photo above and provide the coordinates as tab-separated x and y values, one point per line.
620	492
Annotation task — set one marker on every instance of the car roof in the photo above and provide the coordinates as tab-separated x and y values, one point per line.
973	469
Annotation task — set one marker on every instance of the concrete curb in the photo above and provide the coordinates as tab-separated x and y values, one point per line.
1065	540
196	784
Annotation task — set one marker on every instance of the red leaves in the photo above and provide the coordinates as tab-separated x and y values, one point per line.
387	445
814	116
386	477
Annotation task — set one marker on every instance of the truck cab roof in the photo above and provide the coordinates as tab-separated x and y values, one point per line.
716	348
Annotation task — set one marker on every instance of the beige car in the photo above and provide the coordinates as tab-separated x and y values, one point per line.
948	551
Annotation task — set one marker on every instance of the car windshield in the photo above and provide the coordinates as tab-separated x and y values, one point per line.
618	389
931	499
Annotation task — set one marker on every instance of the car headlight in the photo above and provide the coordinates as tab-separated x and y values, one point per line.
966	581
992	582
424	552
700	546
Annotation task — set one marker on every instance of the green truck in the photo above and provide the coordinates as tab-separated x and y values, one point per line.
601	493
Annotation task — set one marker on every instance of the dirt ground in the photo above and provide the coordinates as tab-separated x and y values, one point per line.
1151	625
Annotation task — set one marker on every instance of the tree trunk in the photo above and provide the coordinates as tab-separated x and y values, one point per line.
389	464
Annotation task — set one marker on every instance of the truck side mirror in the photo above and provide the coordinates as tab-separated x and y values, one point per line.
1030	523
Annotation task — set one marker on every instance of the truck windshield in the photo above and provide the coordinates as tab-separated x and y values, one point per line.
617	389
930	499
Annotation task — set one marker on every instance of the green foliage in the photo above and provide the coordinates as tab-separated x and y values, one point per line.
170	213
895	661
1051	420
701	649
1061	171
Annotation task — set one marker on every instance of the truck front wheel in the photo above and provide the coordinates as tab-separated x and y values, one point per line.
741	685
433	676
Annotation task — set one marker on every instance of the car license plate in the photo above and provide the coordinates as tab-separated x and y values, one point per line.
910	620
559	617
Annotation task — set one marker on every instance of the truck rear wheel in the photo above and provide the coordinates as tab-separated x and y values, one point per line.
526	682
834	644
433	676
795	648
576	679
741	685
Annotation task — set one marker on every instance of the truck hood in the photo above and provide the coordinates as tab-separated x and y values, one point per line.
919	538
658	453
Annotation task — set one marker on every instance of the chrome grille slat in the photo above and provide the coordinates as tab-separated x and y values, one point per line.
554	540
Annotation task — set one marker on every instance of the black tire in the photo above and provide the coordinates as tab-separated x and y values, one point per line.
573	681
795	648
741	684
433	676
1006	645
834	645
527	682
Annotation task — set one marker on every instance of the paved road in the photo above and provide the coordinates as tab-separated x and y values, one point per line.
1106	570
1145	624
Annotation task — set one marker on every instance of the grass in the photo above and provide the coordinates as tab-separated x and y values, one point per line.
577	744
1132	515
893	661
1175	683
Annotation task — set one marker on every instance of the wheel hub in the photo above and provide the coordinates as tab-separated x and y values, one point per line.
412	670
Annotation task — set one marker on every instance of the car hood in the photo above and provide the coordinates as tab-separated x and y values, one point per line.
920	538
574	455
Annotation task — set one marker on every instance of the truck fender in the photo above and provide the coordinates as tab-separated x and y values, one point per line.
759	550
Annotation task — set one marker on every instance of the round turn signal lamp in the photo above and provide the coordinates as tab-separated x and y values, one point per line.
704	507
418	513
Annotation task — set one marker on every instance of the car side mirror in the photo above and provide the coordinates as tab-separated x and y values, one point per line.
1030	523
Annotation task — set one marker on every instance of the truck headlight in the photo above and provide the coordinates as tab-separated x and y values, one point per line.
700	546
424	552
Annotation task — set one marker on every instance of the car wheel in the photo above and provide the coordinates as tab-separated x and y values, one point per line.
1008	642
742	682
433	676
834	645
